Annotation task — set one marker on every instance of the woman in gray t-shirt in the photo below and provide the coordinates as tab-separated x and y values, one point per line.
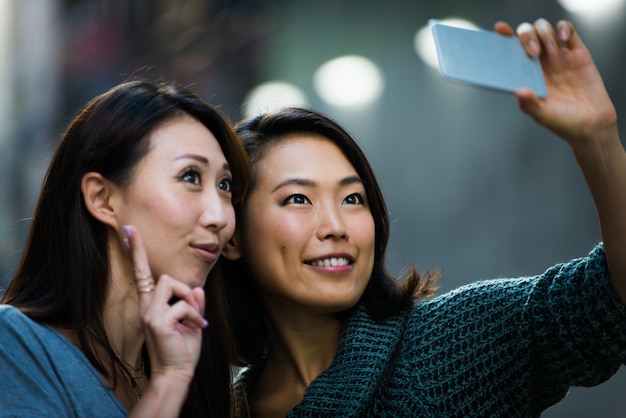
100	320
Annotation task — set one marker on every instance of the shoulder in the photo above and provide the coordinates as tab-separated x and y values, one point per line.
570	281
9	313
479	298
568	296
22	339
29	345
45	374
16	325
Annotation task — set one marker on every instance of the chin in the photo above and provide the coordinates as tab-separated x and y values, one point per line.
336	307
192	280
198	282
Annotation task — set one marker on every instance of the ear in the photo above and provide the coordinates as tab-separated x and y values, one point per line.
97	194
232	249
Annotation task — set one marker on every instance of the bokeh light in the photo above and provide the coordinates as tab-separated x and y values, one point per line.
272	95
349	81
593	8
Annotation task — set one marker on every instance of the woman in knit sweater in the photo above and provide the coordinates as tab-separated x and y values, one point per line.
325	331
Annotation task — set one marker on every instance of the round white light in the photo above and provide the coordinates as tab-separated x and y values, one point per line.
592	8
272	95
348	81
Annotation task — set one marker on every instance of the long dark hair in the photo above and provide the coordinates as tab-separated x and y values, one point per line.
63	276
384	295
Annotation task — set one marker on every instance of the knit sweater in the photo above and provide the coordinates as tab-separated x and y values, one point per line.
498	348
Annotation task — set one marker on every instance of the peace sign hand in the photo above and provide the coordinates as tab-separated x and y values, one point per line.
173	333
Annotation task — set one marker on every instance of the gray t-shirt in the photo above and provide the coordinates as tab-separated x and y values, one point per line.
42	374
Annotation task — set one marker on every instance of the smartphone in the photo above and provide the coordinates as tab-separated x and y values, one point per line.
486	59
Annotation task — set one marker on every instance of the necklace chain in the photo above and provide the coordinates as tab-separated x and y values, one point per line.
131	378
138	391
129	366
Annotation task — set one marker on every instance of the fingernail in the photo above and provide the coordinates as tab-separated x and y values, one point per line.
523	28
563	32
206	323
542	25
533	45
127	239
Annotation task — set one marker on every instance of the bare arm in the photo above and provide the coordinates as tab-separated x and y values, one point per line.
579	110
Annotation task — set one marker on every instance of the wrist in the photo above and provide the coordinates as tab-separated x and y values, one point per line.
163	397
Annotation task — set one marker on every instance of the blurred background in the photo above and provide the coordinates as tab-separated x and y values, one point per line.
473	186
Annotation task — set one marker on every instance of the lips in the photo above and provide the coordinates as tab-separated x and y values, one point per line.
208	251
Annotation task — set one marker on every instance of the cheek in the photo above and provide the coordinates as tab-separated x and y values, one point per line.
149	216
364	230
231	220
289	232
159	204
268	236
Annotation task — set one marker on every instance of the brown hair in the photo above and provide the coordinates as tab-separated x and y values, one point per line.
63	276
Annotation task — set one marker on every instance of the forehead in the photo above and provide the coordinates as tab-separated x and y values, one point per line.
306	154
184	134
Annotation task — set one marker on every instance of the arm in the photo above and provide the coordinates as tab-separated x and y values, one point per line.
578	109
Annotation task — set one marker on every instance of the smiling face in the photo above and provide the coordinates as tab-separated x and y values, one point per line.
180	201
309	233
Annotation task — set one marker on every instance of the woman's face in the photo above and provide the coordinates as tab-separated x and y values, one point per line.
309	233
180	201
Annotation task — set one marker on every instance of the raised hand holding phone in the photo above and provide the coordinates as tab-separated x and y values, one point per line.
577	105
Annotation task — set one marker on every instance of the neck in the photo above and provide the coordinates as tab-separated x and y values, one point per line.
121	312
123	326
304	344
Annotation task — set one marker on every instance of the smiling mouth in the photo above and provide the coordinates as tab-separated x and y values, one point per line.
330	262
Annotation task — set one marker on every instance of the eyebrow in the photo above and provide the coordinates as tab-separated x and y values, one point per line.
309	183
196	157
200	159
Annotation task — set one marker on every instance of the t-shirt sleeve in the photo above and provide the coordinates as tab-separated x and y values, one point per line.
28	386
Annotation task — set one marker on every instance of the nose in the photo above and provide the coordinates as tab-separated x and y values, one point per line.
215	211
331	223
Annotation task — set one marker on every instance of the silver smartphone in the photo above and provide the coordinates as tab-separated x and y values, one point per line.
486	58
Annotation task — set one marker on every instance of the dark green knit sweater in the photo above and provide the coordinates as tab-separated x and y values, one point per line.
500	348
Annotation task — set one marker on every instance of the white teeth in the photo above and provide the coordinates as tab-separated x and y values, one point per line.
328	262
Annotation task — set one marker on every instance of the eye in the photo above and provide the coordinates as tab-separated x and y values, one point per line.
354	199
191	175
296	199
226	185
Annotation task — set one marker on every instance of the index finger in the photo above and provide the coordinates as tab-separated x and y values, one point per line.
503	28
142	274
